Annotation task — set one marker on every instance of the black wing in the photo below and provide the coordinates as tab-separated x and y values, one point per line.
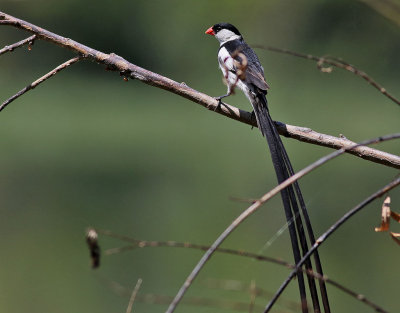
254	71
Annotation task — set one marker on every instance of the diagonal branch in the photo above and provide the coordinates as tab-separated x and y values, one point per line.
117	63
18	44
329	232
305	134
39	81
252	209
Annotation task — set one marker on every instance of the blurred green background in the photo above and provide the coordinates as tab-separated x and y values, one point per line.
88	149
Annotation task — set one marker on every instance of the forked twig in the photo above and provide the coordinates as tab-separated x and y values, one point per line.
39	81
18	44
336	62
329	232
253	208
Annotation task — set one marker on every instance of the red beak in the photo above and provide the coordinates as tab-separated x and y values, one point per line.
210	31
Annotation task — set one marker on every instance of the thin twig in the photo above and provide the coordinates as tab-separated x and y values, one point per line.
150	298
253	295
135	243
175	244
329	232
220	304
253	208
235	285
133	296
39	81
336	62
117	63
18	44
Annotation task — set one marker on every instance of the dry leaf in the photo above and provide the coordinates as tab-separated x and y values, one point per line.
395	216
385	216
91	239
395	237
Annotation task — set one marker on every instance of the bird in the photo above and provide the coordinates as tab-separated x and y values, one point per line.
241	68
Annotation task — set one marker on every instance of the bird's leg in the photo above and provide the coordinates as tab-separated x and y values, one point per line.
228	93
218	107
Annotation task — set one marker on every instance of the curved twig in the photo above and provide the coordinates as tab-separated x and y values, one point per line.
135	243
133	295
329	232
117	63
253	208
336	62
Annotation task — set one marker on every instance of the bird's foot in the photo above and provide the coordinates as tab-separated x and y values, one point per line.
219	99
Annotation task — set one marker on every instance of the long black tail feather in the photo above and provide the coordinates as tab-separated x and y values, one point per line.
292	200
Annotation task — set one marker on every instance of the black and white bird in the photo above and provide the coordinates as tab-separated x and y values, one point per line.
242	68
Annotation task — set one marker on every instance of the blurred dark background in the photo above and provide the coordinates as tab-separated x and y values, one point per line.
88	149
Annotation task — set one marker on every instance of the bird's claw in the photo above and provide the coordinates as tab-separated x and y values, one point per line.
219	99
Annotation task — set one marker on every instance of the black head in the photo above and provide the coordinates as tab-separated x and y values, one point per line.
220	26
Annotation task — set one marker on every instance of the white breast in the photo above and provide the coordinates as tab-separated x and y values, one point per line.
226	64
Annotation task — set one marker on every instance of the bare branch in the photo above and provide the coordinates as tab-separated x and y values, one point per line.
329	232
18	44
135	243
39	81
117	63
220	304
133	296
305	134
253	208
336	62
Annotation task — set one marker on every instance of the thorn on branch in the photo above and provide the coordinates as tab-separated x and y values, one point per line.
29	41
125	74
